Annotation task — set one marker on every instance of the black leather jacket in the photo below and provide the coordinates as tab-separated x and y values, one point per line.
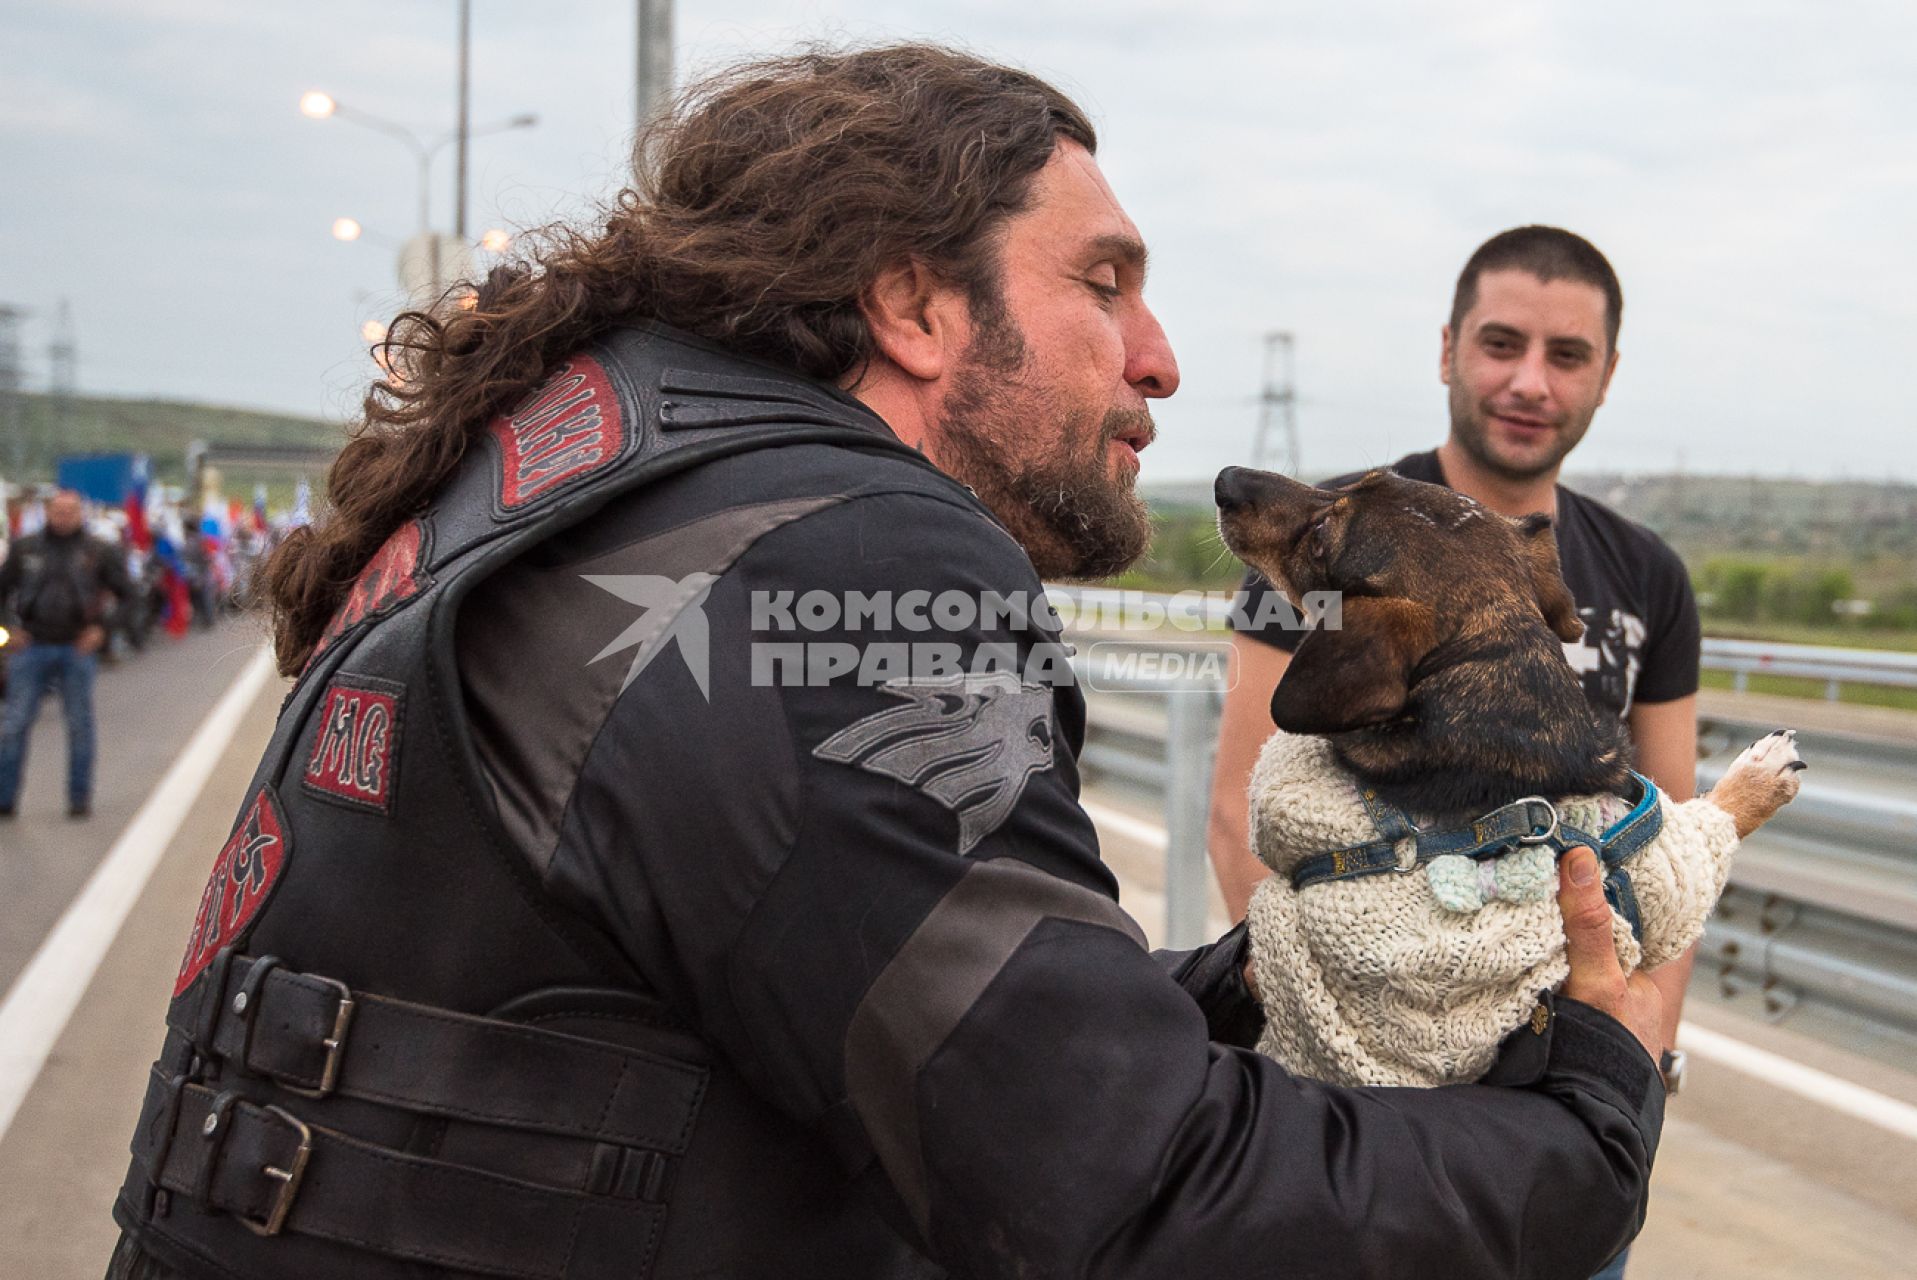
736	737
56	587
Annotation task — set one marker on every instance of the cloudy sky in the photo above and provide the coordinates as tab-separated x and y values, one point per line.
1750	168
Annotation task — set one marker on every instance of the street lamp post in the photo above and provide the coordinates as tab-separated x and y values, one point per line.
462	130
318	105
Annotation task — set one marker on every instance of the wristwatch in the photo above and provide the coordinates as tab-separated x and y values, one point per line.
1671	1064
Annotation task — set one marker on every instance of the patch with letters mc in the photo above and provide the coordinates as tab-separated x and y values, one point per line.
244	874
356	751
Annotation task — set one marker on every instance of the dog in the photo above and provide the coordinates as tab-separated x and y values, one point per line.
1435	755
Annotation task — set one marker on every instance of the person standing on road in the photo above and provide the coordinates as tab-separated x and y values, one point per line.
612	901
54	590
1528	355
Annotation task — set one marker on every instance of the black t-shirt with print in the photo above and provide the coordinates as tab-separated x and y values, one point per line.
1640	619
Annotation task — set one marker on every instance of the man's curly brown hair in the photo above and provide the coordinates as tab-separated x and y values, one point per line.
764	206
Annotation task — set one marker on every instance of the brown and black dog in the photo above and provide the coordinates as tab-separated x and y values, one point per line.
1443	689
1444	684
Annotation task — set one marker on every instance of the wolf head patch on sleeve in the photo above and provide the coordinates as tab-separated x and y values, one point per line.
970	742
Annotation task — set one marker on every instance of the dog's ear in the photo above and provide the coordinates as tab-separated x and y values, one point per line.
1547	581
1358	674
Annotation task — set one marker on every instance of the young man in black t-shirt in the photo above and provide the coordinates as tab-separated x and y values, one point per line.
1527	355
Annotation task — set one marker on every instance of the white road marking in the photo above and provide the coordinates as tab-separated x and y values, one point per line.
49	989
1774	1069
1820	1087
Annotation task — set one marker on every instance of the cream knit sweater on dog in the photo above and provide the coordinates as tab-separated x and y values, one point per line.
1370	981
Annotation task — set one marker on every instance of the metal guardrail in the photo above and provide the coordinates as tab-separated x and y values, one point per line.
1106	609
1787	951
1822	909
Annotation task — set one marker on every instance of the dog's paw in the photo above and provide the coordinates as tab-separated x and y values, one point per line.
1762	780
1774	754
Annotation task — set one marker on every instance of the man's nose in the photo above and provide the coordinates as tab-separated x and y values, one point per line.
1530	380
1149	363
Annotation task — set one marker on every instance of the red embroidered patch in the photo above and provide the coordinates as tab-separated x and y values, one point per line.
243	875
569	425
395	573
356	750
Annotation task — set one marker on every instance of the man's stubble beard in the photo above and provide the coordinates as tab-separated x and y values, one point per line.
1471	428
1073	519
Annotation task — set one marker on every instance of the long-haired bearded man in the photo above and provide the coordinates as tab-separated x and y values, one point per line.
669	861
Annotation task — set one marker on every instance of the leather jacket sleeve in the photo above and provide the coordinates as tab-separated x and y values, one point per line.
872	887
113	574
1214	977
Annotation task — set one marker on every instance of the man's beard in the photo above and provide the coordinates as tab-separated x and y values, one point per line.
1471	428
1073	519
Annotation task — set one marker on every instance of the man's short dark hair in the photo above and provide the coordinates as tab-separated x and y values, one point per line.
1549	253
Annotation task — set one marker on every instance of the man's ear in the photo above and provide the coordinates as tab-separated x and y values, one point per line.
1547	582
910	314
1359	674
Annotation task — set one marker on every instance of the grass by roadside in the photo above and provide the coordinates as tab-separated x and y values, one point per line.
1829	637
1862	695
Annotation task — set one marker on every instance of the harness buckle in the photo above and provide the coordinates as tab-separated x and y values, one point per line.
289	1177
334	1044
1550	832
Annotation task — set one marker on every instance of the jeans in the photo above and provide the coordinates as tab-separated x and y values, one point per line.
31	675
1614	1269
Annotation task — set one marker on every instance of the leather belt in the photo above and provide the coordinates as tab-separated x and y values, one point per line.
275	1172
314	1036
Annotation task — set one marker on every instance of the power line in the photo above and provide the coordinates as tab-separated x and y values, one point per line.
1278	398
63	359
10	406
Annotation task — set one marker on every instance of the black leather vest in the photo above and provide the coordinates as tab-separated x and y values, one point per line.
389	1053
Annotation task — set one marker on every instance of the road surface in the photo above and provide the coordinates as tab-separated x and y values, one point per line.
1756	1179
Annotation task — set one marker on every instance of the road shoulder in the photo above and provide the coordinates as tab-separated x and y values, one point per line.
62	1161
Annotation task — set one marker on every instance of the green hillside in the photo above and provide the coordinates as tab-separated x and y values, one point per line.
159	428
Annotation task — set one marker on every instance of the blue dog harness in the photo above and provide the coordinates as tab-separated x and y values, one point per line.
1530	822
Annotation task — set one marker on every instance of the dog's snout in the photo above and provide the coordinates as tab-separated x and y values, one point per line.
1235	487
1240	488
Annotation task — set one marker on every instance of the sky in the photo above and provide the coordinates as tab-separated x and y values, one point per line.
1750	168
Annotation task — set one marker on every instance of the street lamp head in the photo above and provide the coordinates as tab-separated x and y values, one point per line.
316	105
373	331
496	241
523	121
346	229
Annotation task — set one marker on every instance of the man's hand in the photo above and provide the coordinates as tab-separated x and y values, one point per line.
90	640
1597	979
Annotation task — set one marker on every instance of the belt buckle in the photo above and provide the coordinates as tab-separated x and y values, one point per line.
289	1178
334	1044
